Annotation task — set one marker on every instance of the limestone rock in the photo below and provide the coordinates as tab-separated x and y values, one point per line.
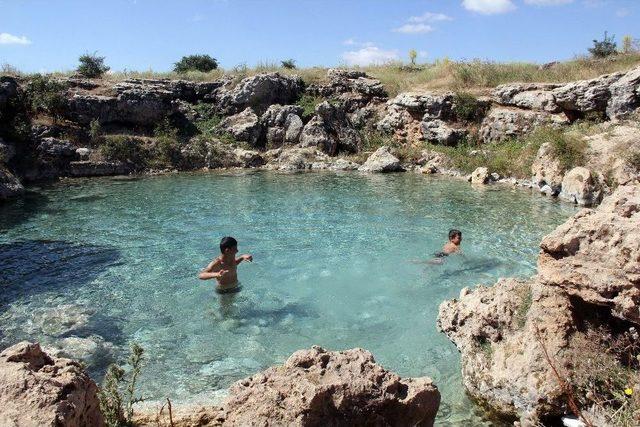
529	96
381	161
56	148
595	255
291	159
10	186
38	390
330	130
283	124
353	89
609	150
438	132
625	95
504	123
259	92
244	126
586	96
503	364
480	176
546	169
582	187
248	158
316	387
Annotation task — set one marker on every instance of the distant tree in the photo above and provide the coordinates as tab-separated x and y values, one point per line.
603	48
412	56
204	63
289	64
92	66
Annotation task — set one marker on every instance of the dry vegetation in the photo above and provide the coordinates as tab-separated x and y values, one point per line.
475	76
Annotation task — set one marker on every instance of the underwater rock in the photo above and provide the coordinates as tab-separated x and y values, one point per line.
39	390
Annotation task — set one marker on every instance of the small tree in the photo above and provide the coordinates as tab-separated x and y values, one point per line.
603	48
203	63
412	57
92	66
289	64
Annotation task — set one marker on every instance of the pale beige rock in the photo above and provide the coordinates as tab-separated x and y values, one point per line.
480	176
381	161
507	122
582	187
316	387
244	126
530	96
596	255
38	390
609	152
546	169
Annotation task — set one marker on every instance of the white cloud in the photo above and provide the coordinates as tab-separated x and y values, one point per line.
489	7
414	29
548	2
369	55
6	38
430	17
354	42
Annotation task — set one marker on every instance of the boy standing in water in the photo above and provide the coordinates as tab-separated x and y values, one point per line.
224	267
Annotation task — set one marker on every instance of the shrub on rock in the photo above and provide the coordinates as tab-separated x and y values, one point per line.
92	66
202	63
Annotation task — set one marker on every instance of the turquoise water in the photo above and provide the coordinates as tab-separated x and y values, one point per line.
91	265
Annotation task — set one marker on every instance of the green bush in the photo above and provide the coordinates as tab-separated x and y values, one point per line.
92	66
467	107
309	104
203	63
289	64
123	148
167	150
46	95
605	47
116	404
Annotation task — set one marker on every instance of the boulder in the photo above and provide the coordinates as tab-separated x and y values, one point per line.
10	186
330	131
582	187
214	154
244	126
438	132
595	254
316	387
480	176
586	96
39	390
353	89
546	169
609	152
292	159
381	161
505	123
282	124
625	95
259	92
529	96
56	148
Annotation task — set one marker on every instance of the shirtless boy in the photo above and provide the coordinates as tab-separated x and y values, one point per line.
451	247
224	268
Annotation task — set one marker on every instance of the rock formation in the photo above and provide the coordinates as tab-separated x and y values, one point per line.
316	387
38	390
381	161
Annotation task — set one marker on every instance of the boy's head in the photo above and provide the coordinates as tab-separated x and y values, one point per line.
228	244
455	236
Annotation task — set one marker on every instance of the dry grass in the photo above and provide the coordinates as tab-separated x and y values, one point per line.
472	76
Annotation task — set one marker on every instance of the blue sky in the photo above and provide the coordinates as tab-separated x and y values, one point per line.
40	36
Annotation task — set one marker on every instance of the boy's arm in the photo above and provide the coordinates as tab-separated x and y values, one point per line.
245	257
212	271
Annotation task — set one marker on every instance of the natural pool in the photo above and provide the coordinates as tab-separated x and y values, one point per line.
91	265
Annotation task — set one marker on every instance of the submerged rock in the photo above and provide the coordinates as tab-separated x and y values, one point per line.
381	161
38	390
317	387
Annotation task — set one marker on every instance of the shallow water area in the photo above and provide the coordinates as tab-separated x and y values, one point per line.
88	266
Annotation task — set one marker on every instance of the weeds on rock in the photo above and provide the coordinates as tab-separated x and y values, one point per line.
309	104
570	150
117	399
123	148
467	107
46	95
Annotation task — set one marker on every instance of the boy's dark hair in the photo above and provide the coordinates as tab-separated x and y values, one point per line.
453	233
227	242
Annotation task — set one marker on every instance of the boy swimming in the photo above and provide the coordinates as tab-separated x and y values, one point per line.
224	267
449	248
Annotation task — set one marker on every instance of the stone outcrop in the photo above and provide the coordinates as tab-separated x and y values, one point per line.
244	126
528	96
582	187
10	186
439	132
352	89
259	92
330	131
38	390
625	95
317	387
511	334
213	154
596	255
282	125
586	96
609	152
480	176
505	122
382	161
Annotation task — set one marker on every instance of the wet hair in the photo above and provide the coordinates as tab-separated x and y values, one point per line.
226	243
453	233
